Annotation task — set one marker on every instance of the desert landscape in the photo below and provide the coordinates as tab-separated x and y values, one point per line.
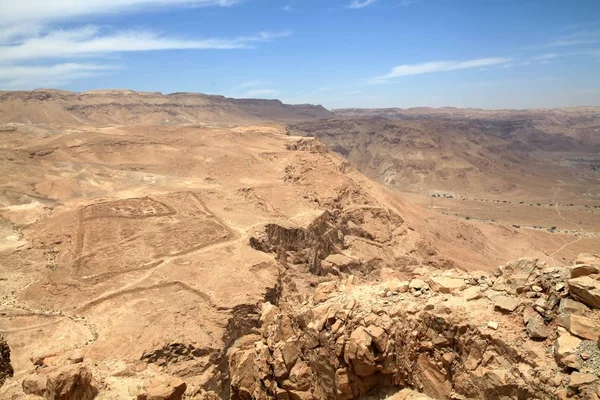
191	246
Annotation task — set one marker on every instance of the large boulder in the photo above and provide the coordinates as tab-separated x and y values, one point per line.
582	327
565	350
586	289
163	389
446	284
68	382
6	369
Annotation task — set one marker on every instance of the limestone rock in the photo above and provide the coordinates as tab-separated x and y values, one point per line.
534	325
70	382
323	291
565	351
446	284
583	270
163	389
358	352
569	306
6	369
583	327
35	384
588	259
506	304
418	284
472	293
586	289
578	379
408	394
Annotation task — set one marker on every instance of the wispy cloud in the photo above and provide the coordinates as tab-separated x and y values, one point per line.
355	4
249	84
49	11
439	66
25	54
31	77
261	93
91	41
30	42
287	8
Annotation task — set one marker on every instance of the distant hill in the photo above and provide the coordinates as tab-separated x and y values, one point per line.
108	107
532	125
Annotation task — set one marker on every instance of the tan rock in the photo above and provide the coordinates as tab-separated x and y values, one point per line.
299	379
387	274
583	270
446	284
358	352
588	259
35	384
324	290
396	286
565	350
534	325
569	306
164	389
586	289
578	379
506	304
582	327
418	284
472	293
70	382
379	337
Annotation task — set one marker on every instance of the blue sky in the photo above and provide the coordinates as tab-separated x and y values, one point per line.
339	53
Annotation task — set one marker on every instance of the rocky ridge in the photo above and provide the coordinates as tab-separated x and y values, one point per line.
514	334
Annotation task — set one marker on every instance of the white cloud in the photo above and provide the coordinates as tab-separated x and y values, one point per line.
360	3
60	10
29	37
248	84
287	8
90	41
262	93
31	77
567	43
547	56
439	66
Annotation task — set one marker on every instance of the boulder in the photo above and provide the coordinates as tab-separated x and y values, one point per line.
418	284
506	304
70	382
582	327
588	259
472	293
569	306
446	284
534	325
6	369
583	270
565	351
163	389
578	379
586	289
35	384
358	352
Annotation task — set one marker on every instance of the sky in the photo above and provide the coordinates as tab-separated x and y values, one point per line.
338	53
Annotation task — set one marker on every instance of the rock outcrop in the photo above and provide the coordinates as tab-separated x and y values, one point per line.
459	336
6	369
67	382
